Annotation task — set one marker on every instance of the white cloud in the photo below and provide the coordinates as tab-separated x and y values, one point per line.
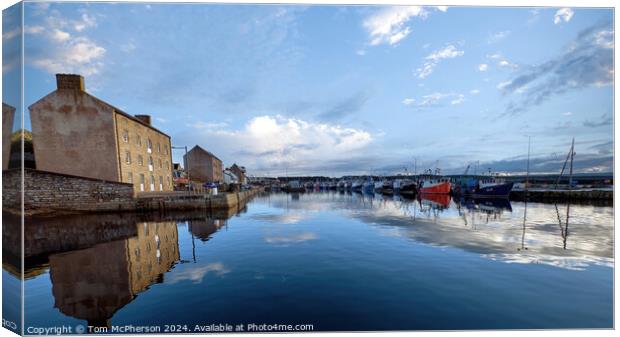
567	113
503	85
11	34
604	39
389	26
275	141
60	36
127	47
498	36
507	64
85	21
442	8
33	29
64	48
79	55
447	53
361	52
408	101
474	91
207	125
458	100
435	99
435	57
483	67
563	14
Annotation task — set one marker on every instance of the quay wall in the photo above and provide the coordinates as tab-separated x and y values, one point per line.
563	195
221	201
48	191
54	193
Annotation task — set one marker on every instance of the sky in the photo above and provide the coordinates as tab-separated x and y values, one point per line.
338	90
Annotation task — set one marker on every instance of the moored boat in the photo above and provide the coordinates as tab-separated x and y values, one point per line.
435	184
368	186
408	187
293	186
379	186
492	188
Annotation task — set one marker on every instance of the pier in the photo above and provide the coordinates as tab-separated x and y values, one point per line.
54	193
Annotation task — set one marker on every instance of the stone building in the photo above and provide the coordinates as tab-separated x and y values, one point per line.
78	134
203	166
239	171
8	114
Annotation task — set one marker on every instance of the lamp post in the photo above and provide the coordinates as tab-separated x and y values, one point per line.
186	166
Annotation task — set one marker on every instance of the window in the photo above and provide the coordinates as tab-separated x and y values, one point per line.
166	149
167	165
152	181
127	158
149	145
125	136
142	182
138	140
158	148
168	180
159	161
129	177
140	160
161	183
150	163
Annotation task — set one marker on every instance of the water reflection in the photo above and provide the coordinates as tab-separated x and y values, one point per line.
99	263
512	232
315	248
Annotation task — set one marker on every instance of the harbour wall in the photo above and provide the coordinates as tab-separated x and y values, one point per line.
54	193
49	192
563	195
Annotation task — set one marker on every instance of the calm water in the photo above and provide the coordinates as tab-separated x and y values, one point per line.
337	261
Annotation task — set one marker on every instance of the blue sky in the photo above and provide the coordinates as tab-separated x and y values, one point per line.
339	90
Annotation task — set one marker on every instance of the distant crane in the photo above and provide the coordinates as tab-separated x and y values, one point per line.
467	169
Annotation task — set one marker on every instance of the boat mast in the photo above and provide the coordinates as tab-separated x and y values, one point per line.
572	156
527	174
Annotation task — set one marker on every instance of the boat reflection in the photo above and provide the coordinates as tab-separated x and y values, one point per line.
512	232
435	201
99	264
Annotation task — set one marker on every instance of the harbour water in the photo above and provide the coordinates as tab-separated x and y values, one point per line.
337	261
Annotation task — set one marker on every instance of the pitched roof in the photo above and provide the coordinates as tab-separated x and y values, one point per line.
115	109
198	148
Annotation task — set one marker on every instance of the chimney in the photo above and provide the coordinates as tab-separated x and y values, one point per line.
144	118
70	81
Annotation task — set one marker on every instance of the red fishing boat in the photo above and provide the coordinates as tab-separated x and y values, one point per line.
435	184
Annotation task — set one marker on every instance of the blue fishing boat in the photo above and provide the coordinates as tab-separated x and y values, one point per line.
492	188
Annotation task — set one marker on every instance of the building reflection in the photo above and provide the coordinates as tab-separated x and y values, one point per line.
94	283
99	263
203	228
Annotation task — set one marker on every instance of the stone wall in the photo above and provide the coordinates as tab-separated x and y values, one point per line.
47	191
8	114
176	201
